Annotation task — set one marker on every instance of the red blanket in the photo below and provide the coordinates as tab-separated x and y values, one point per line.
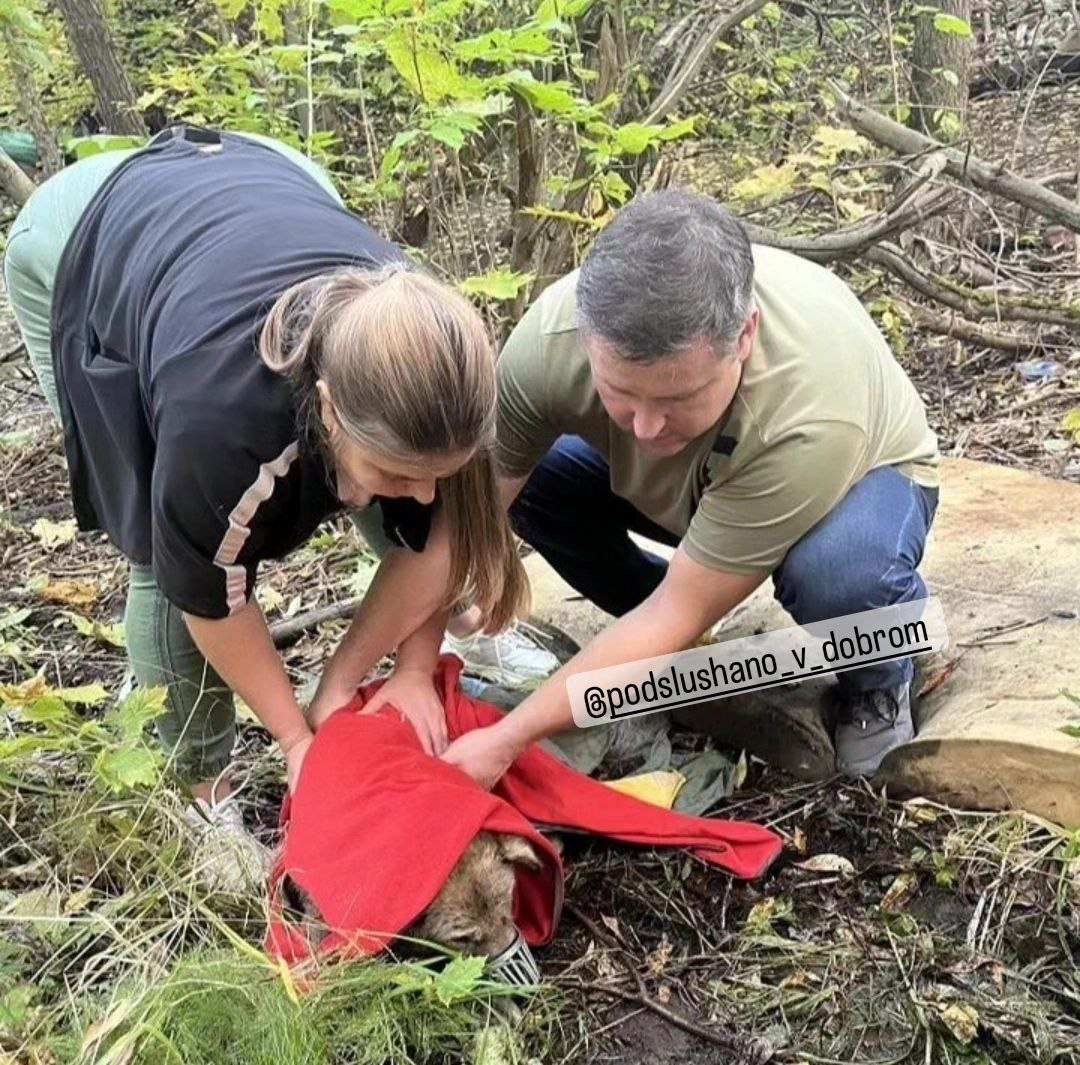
375	826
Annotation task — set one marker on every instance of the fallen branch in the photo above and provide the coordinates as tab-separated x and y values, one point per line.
13	182
1059	177
856	239
960	164
893	260
952	325
59	508
693	59
286	632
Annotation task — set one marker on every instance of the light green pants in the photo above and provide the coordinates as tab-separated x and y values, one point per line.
200	727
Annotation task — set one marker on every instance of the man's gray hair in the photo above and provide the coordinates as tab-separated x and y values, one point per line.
670	268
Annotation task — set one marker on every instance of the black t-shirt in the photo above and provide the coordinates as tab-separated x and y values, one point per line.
182	445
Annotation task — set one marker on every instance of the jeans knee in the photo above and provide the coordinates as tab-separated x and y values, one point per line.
822	580
565	484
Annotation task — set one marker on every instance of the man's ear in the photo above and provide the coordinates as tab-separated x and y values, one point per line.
748	335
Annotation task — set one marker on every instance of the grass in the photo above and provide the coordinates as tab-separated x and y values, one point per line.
946	936
113	952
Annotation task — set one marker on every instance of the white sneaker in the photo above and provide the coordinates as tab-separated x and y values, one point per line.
228	857
512	658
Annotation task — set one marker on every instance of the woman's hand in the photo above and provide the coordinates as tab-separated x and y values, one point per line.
325	703
484	753
412	691
294	758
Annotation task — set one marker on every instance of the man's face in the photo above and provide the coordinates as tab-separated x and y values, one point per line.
670	402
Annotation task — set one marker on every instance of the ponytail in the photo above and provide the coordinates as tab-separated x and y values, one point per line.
484	564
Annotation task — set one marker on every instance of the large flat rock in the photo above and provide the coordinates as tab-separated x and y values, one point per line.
1004	558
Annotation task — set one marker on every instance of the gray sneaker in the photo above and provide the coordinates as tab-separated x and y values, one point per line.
228	857
870	725
513	658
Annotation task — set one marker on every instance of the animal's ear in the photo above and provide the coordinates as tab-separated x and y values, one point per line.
518	849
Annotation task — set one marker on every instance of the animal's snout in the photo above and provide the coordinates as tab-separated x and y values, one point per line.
515	965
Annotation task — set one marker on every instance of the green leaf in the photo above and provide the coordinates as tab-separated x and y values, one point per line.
449	134
634	137
555	97
1070	423
684	127
269	19
84	695
840	140
502	46
16	438
550	10
767	183
392	158
127	767
81	147
450	127
136	711
613	188
14	618
363	10
52	534
951	24
1071	730
425	70
500	284
459	979
496	104
49	710
104	633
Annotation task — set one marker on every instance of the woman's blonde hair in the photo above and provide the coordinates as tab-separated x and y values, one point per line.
411	370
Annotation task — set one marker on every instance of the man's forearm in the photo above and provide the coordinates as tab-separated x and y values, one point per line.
547	711
670	620
242	651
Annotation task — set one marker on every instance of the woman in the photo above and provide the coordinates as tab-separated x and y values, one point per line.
234	357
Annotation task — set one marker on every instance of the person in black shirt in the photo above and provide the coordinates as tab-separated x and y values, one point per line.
234	357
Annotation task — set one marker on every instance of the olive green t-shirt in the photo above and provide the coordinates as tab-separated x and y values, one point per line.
822	401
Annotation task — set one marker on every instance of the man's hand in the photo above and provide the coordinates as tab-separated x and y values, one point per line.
484	753
412	691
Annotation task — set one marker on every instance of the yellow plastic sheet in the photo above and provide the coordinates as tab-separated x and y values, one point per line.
659	788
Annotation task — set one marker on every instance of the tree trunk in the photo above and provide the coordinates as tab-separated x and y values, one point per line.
294	20
22	76
13	182
940	65
96	49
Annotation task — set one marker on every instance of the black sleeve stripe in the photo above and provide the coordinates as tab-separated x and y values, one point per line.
257	493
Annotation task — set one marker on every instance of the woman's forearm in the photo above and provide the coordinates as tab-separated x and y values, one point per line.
402	606
420	650
242	651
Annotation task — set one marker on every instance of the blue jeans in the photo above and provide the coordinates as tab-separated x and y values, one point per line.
863	555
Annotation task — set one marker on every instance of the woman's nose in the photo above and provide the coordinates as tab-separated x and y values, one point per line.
424	493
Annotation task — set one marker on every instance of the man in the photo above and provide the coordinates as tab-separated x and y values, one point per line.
737	401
